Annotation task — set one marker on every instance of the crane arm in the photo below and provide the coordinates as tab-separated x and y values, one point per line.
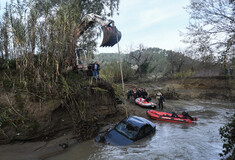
111	35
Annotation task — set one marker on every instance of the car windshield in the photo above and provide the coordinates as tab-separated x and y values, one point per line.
127	130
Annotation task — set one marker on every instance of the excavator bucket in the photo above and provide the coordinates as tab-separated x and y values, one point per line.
111	36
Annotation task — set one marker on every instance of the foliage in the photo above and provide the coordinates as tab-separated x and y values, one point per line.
227	133
159	61
118	90
106	58
37	38
100	90
21	123
111	72
36	50
142	59
37	47
212	28
183	74
7	84
162	63
175	61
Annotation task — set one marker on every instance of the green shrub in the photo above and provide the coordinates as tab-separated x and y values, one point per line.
111	72
7	84
21	85
118	90
227	133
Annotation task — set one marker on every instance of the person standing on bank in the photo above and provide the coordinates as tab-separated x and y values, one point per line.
160	99
95	70
231	71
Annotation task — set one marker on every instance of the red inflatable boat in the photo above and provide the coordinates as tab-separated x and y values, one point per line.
143	103
171	117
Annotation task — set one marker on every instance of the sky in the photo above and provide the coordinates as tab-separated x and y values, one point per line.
152	23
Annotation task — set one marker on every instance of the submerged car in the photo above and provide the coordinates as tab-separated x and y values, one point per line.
128	131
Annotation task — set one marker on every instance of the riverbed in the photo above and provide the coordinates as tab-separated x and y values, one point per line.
172	141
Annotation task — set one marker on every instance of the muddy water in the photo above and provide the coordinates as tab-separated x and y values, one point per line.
172	141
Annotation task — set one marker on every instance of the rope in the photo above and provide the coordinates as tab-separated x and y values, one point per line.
123	86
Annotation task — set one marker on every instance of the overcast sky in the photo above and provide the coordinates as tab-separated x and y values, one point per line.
153	23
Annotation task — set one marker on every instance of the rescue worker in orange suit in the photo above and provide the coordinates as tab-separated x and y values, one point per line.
131	93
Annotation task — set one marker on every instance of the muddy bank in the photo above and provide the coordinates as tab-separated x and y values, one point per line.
52	119
42	149
53	124
222	88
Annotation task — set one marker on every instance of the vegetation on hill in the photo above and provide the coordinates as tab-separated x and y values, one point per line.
152	63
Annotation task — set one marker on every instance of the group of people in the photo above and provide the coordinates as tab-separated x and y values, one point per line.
136	93
141	92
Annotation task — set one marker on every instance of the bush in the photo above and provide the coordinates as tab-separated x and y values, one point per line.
7	84
227	134
111	72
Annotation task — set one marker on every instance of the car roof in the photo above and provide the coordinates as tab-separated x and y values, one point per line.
138	121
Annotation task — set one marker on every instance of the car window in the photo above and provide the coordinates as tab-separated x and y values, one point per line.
144	130
141	132
148	128
127	130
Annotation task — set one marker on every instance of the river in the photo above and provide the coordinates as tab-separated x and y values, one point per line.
172	141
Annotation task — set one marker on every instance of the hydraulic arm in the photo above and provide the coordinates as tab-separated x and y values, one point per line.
111	35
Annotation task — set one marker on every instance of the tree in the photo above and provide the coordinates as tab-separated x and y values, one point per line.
227	133
176	62
5	34
141	59
212	28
